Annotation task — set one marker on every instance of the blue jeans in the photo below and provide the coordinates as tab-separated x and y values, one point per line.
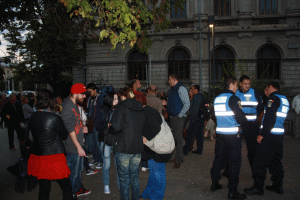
106	163
93	146
75	163
156	186
128	171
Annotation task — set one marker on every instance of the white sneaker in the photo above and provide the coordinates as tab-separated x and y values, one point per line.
98	166
144	169
106	189
91	172
94	162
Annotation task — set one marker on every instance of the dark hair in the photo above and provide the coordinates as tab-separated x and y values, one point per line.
126	91
197	87
91	86
44	99
274	84
151	89
242	78
132	83
174	76
109	99
228	81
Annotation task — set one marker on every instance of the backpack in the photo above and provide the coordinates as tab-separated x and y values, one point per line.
163	142
205	111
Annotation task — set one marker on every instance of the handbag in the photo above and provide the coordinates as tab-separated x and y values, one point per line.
163	142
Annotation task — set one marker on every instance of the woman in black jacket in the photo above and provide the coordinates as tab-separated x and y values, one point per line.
47	159
127	126
110	101
155	189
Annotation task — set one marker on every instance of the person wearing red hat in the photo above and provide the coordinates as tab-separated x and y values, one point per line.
75	154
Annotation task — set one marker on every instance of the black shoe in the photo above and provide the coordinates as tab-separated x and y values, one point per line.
236	195
253	190
197	152
215	186
275	188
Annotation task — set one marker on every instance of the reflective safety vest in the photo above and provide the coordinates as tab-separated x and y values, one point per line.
249	104
226	123
281	114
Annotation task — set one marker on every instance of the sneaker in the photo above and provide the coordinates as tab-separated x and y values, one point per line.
94	162
144	169
106	189
98	166
91	171
83	191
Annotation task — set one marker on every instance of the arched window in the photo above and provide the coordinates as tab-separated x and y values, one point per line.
222	8
268	63
224	61
268	7
137	63
177	13
179	63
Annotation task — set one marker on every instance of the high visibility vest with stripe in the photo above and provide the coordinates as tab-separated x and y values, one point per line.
281	114
226	122
249	104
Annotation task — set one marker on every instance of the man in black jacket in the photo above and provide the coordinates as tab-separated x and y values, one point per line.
127	126
13	113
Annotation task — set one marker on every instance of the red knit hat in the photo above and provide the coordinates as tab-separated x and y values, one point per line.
79	88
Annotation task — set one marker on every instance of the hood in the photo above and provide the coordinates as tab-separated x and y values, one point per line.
133	104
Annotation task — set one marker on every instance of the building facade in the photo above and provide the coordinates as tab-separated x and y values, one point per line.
259	38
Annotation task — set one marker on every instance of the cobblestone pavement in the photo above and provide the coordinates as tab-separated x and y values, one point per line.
190	182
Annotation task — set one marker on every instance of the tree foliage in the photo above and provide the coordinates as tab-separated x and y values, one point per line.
42	40
123	21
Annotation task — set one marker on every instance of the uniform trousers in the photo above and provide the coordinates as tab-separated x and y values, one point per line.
268	155
195	128
250	133
227	152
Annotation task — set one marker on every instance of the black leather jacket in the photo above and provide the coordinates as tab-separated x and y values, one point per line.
48	131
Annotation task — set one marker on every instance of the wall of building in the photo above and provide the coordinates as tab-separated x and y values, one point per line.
107	67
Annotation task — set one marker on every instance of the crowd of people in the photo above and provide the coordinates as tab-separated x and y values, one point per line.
118	127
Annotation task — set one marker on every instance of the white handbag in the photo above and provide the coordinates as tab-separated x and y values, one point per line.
163	142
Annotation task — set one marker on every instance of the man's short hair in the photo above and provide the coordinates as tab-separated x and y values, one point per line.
242	78
174	76
12	95
228	81
92	86
197	87
152	89
274	84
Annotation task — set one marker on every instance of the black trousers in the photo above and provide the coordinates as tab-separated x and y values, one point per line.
268	155
14	126
250	133
227	152
195	128
45	187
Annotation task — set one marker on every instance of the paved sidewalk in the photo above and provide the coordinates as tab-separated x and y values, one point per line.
191	181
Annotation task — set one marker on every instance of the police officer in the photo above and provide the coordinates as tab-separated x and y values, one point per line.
252	107
269	151
229	114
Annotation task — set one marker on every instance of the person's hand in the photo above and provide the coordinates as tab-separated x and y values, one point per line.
259	138
144	140
8	116
108	125
164	102
85	129
81	152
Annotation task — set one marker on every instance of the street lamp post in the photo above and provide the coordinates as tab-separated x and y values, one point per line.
211	20
214	62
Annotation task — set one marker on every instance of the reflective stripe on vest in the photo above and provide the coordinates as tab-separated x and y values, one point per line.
227	130
280	114
251	117
228	113
249	103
